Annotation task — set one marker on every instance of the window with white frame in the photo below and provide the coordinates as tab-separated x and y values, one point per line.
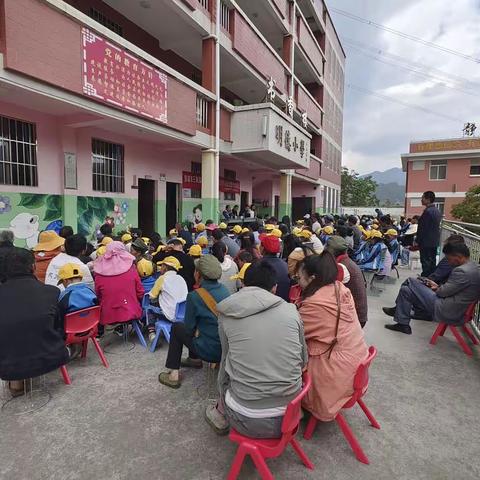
440	204
18	153
438	170
108	166
475	168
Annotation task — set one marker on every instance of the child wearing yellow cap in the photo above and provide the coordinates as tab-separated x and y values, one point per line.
240	276
203	242
169	289
195	251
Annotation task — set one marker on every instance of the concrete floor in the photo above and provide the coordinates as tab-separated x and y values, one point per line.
120	423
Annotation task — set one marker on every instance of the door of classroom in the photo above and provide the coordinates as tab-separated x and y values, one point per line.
243	200
146	206
276	206
172	204
301	206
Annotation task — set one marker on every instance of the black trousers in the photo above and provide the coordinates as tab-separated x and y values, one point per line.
178	338
428	259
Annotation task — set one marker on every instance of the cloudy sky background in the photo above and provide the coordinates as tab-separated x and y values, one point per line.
377	131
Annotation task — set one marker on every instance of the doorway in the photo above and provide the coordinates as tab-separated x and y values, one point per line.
173	190
276	206
301	206
146	206
243	201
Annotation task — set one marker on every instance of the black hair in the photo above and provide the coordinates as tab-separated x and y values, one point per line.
66	231
341	222
89	249
456	249
254	226
209	222
156	240
455	238
217	234
19	261
262	275
286	220
135	233
219	250
174	241
247	242
245	257
290	243
106	230
342	231
429	195
227	207
283	228
323	267
75	245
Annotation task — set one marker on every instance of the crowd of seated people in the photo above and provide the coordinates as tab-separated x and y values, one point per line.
237	282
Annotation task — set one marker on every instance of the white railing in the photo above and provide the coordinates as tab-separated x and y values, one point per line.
202	112
225	16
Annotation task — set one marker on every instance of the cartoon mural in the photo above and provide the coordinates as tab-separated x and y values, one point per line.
26	214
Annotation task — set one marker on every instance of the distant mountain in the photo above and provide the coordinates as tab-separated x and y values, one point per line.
391	185
392	175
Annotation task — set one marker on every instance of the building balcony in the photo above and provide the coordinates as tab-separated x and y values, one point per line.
310	46
314	171
265	136
308	104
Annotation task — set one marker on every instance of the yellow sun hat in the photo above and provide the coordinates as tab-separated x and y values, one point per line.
237	229
241	274
328	230
144	268
171	262
48	241
195	251
202	241
200	227
276	232
126	238
222	226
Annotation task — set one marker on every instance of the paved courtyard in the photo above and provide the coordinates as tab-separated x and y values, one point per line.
120	423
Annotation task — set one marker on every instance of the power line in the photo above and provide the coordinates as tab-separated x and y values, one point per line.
365	91
413	38
439	80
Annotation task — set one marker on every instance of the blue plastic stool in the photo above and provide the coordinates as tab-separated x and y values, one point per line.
139	333
163	325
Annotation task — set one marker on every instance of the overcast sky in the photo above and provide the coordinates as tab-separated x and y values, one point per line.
377	131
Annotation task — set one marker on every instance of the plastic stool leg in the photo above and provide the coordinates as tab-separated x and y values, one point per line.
351	439
461	341
440	330
99	350
139	333
65	375
237	463
368	413
469	334
261	465
303	456
153	346
84	348
311	425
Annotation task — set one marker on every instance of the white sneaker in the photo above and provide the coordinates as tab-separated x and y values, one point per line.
216	420
151	336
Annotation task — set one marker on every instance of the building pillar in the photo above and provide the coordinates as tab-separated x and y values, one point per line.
285	207
210	185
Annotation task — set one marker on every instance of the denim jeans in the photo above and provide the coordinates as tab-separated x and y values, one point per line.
413	294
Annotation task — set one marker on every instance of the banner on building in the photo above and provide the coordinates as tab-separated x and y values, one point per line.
229	186
116	77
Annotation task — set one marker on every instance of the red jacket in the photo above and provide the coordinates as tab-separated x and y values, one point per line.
119	296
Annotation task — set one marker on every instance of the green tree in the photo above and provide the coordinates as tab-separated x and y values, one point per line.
356	191
469	210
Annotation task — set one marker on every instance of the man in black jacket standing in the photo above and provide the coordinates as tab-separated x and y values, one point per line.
428	234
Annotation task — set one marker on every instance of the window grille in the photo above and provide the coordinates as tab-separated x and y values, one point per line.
108	167
105	21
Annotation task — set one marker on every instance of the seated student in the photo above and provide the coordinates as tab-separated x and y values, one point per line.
200	230
445	303
169	289
270	248
203	243
233	247
199	332
139	249
373	261
48	247
334	337
32	340
327	231
127	241
118	286
76	294
243	258
229	267
392	244
195	251
66	231
240	277
75	246
263	354
146	271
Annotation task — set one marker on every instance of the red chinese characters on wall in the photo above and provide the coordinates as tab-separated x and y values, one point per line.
116	77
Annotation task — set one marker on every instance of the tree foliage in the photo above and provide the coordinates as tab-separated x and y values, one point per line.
469	210
356	191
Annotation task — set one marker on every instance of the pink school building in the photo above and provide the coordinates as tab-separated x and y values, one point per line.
155	112
447	167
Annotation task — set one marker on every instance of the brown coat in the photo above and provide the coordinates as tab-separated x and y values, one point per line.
332	378
42	261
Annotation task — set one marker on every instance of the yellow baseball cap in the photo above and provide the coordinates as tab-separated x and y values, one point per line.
367	234
237	229
160	248
105	241
376	234
195	251
375	226
307	233
126	238
101	250
171	262
245	230
202	241
68	271
173	231
144	268
241	274
276	232
146	240
392	232
222	226
269	227
296	231
328	230
182	240
200	227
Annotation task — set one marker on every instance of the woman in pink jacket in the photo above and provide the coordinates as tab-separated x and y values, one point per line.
333	334
118	286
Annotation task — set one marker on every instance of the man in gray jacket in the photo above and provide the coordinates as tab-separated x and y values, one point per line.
445	303
263	355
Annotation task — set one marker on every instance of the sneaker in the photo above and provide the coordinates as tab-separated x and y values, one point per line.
191	363
216	420
398	327
151	336
118	330
390	311
164	379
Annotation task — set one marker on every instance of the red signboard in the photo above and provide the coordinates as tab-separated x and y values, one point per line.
116	77
192	181
229	186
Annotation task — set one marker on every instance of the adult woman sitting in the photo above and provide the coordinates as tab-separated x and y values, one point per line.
117	285
247	244
334	337
229	267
